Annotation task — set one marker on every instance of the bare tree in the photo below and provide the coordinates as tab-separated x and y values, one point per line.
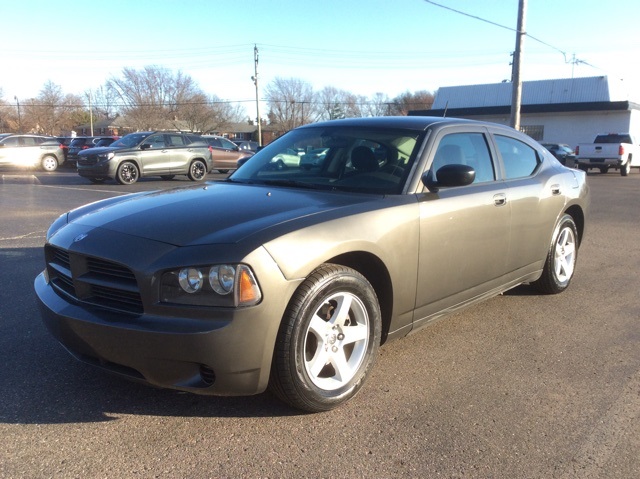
104	103
204	114
291	102
378	105
51	112
6	114
404	103
151	97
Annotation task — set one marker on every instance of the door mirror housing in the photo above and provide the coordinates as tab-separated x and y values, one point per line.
449	176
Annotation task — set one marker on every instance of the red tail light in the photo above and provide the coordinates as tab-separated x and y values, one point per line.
621	150
577	150
84	147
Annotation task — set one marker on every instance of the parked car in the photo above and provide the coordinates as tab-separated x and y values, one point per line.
610	150
563	153
287	158
248	145
225	153
65	141
106	141
79	144
150	153
31	151
291	279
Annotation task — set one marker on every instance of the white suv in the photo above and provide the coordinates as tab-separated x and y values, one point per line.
31	151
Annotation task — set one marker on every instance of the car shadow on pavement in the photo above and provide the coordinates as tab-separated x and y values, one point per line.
42	384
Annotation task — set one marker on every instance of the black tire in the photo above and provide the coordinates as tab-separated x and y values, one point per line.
561	258
197	170
604	169
127	173
314	378
49	163
97	181
626	168
167	177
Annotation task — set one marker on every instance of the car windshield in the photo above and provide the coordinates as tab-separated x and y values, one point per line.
368	160
130	140
105	142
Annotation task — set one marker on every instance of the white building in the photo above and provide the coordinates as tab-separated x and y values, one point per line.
571	110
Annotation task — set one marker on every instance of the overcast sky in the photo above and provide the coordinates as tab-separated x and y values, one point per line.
363	46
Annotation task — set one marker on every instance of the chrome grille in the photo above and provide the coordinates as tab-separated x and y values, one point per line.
93	280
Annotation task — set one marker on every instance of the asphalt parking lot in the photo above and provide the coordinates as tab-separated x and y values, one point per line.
521	386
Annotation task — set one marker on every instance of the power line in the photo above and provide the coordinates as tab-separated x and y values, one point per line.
475	17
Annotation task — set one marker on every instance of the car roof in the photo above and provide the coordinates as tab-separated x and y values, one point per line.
408	122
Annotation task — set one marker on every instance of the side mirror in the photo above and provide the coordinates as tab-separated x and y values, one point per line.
449	176
145	146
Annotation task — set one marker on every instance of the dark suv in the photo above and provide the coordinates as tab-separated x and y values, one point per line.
82	143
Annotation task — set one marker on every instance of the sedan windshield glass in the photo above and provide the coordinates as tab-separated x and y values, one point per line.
368	160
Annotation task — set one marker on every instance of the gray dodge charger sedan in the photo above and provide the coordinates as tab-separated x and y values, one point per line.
291	277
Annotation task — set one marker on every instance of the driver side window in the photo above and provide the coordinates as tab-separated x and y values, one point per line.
465	149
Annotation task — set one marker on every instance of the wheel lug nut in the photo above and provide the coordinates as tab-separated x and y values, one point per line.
340	337
334	349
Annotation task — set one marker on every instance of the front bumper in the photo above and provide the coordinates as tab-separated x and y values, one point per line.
99	170
221	351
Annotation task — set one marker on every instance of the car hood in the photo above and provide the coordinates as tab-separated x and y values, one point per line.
100	150
213	213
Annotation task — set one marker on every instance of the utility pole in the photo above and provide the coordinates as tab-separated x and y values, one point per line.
19	116
255	82
516	91
90	113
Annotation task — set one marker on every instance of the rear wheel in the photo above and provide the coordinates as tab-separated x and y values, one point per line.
328	340
197	170
49	163
127	173
604	169
626	168
561	258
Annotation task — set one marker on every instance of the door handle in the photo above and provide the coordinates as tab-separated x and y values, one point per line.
500	199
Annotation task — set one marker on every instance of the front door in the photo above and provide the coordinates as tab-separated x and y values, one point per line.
464	231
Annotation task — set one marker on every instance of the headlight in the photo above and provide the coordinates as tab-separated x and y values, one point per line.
106	157
217	285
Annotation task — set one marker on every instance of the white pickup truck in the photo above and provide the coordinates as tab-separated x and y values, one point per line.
613	150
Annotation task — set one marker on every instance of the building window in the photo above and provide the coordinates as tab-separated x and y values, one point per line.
534	131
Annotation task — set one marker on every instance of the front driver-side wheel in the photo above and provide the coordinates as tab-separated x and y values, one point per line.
127	173
561	258
197	170
328	340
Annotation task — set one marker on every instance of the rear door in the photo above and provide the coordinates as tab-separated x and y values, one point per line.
535	199
180	153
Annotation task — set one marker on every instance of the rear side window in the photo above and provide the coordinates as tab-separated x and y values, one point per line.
520	160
